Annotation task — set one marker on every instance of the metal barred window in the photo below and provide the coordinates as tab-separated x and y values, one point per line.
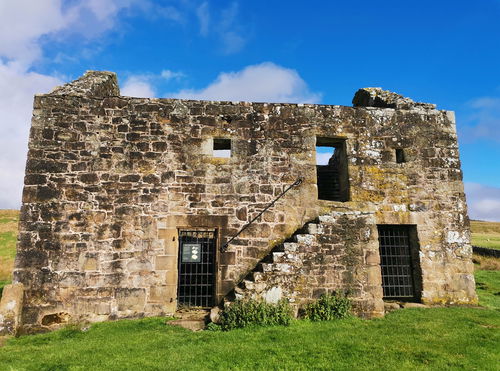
396	262
196	284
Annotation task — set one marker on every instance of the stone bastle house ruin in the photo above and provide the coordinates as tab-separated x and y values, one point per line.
129	205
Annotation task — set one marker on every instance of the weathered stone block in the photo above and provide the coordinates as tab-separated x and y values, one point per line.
162	294
165	262
129	299
11	306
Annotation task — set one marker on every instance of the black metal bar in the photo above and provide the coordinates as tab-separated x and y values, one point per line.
294	184
396	262
196	285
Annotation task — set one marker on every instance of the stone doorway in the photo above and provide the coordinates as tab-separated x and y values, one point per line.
401	278
196	268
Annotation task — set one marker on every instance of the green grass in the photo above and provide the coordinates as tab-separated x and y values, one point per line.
409	339
491	241
488	288
485	234
8	237
8	244
441	338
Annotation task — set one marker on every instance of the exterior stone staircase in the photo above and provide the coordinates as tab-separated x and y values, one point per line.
333	254
282	266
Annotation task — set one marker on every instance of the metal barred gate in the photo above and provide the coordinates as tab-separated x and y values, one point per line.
396	262
196	283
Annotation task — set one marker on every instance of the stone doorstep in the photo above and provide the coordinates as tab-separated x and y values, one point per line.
189	324
192	314
191	319
390	306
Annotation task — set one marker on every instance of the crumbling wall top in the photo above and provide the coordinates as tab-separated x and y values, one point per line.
376	97
98	84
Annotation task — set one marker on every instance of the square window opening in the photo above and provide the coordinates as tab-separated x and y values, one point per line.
222	147
400	156
331	169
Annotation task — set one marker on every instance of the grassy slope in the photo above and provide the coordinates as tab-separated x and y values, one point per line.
485	234
488	288
8	236
441	338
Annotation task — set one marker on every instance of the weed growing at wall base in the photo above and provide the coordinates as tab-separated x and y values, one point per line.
244	313
328	307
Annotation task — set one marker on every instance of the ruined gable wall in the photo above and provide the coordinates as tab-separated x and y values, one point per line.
106	176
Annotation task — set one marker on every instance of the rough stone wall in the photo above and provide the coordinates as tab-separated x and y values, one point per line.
109	180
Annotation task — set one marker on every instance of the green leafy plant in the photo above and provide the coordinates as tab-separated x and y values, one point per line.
213	327
243	313
328	307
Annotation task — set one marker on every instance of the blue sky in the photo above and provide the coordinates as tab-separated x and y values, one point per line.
444	52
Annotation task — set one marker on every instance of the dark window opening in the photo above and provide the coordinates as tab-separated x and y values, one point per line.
222	147
400	156
196	283
331	169
399	262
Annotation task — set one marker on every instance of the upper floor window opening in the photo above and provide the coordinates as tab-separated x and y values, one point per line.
331	169
222	147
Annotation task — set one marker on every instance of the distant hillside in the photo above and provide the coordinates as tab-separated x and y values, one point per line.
486	234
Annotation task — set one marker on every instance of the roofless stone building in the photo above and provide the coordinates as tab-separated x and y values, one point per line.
134	207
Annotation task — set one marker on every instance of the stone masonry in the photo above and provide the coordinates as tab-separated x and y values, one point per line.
111	180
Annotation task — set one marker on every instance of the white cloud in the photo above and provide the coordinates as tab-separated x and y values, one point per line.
232	42
232	39
23	24
203	14
171	75
142	85
483	202
17	88
138	86
485	119
226	27
266	82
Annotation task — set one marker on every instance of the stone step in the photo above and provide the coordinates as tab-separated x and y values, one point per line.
290	247
315	228
391	306
257	287
259	267
189	324
257	276
306	239
287	258
192	314
247	285
277	267
266	267
278	256
286	247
